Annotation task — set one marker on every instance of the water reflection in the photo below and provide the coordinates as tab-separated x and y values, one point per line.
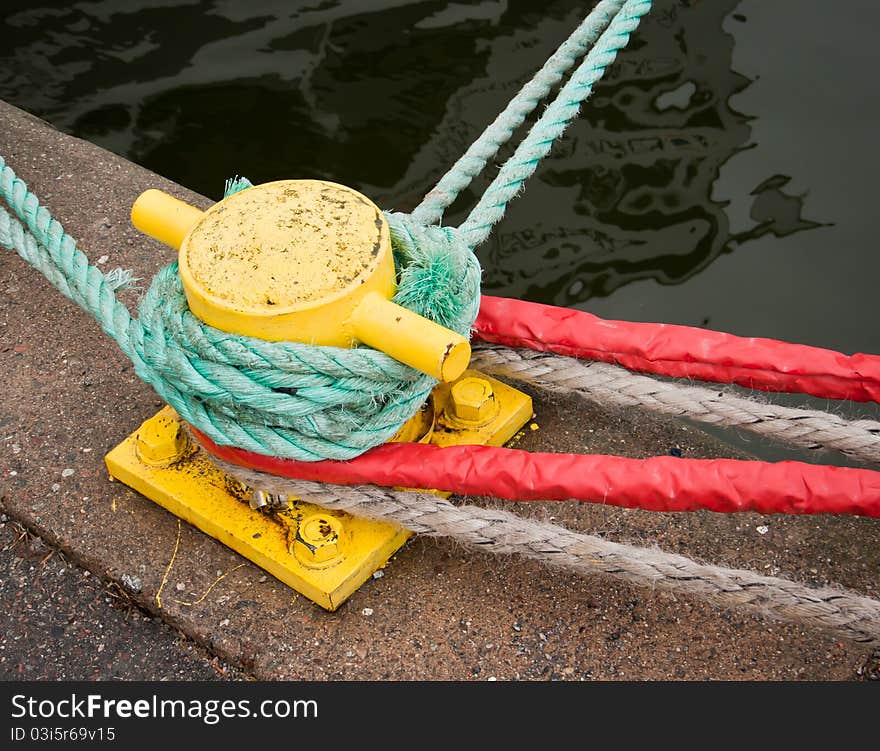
638	170
385	95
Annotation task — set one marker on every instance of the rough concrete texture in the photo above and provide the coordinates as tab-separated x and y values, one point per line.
440	611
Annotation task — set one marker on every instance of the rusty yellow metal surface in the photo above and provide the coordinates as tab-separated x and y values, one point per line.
287	260
164	217
404	335
478	410
325	555
299	260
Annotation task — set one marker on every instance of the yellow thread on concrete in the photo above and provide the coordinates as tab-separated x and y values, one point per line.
208	590
168	569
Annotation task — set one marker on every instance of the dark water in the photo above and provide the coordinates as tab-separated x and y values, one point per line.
722	175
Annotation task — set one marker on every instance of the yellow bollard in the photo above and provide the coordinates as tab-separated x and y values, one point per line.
402	334
298	260
309	261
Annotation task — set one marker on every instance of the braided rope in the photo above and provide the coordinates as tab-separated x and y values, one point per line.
844	613
612	384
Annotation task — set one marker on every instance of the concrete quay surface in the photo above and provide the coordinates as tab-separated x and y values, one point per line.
440	611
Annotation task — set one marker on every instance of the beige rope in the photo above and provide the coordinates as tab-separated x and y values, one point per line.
843	613
611	384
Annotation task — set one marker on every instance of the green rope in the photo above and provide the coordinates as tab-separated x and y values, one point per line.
295	400
564	108
278	398
474	160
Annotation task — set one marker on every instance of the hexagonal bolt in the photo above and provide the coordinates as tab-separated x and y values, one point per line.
160	441
472	400
318	541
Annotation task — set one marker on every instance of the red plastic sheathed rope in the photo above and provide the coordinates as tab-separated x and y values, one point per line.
660	483
680	351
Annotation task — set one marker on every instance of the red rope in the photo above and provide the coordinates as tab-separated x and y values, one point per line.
661	483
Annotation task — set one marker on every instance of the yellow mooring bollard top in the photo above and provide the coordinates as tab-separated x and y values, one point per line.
298	260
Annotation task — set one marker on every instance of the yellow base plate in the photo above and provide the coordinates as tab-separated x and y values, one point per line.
195	490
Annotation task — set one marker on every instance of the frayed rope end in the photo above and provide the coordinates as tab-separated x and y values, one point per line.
121	279
236	185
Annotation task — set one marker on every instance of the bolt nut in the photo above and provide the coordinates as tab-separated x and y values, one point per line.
318	541
263	498
472	400
160	441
